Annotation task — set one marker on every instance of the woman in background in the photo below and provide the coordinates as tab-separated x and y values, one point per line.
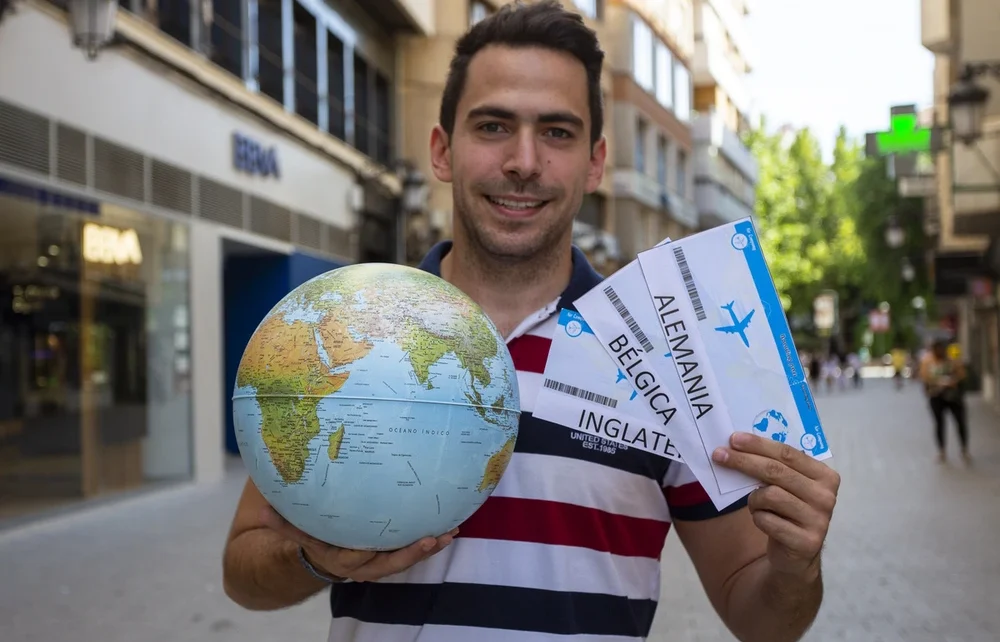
943	377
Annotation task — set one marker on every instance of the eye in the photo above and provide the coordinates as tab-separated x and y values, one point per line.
558	132
492	128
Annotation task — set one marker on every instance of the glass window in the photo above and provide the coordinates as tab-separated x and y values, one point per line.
362	105
640	146
664	76
661	162
94	351
682	91
477	11
589	8
642	54
272	62
382	119
681	173
335	86
306	95
227	36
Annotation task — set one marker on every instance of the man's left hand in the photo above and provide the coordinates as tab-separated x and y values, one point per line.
795	506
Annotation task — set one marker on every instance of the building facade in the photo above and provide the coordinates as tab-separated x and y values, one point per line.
155	201
725	171
651	46
965	211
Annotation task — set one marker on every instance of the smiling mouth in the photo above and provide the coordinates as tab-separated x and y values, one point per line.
516	205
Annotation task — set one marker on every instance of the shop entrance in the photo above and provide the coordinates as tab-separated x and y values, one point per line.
254	279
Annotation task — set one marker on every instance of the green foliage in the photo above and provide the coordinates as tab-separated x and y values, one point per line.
823	226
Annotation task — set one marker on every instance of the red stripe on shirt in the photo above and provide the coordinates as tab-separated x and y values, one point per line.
547	522
530	352
686	495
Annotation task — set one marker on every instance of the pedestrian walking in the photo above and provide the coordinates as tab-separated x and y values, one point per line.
568	546
944	377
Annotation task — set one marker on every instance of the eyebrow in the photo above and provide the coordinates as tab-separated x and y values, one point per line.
549	118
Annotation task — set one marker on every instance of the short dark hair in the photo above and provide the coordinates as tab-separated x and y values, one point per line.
539	24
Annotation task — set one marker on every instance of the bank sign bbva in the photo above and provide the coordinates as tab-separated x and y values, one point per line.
252	158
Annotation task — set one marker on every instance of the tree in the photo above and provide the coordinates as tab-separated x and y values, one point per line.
822	226
804	212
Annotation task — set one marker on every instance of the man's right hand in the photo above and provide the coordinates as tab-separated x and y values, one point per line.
359	566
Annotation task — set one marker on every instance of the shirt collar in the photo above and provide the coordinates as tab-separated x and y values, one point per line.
583	278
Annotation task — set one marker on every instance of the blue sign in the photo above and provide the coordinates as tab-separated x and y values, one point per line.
253	158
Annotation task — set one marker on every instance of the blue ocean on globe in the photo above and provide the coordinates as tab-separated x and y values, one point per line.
377	406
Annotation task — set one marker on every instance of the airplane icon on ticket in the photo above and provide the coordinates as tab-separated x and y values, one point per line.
739	325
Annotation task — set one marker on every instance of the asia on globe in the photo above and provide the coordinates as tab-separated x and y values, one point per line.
374	405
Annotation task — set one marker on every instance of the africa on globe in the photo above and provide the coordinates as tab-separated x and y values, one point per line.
374	405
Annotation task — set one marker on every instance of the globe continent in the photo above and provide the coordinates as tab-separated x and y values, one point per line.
374	405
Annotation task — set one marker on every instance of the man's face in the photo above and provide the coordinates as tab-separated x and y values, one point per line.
520	158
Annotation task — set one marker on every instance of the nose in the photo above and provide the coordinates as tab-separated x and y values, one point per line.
522	162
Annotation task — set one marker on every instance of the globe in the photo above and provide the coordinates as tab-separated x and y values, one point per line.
374	405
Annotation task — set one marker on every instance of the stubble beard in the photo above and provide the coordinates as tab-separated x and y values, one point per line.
493	246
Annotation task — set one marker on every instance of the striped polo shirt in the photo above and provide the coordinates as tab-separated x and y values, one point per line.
568	544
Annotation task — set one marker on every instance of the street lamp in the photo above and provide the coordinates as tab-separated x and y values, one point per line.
967	101
908	273
93	24
894	234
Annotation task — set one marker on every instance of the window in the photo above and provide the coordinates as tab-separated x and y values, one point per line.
174	19
272	64
589	8
640	146
642	54
227	36
681	173
382	119
306	95
478	11
336	113
664	76
362	104
661	162
682	91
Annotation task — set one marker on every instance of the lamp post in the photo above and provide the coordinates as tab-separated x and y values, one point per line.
894	234
907	271
967	100
93	24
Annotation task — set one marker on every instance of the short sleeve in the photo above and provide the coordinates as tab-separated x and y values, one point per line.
687	499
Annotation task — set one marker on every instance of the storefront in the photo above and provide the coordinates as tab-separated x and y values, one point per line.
95	389
132	203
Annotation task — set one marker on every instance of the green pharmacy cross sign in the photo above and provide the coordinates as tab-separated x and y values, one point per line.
904	136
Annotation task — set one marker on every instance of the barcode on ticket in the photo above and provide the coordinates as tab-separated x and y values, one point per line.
567	389
626	316
682	263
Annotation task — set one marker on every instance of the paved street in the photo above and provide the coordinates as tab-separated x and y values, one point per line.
911	556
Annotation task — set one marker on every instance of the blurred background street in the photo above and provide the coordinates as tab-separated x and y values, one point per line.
911	555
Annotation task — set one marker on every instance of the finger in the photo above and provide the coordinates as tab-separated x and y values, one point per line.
385	564
782	503
767	470
342	561
788	455
794	538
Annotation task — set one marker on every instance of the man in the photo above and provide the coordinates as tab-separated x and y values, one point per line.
569	543
943	377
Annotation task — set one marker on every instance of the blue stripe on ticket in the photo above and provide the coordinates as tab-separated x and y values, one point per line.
797	379
573	323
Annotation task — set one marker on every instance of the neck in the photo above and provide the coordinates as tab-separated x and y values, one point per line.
508	290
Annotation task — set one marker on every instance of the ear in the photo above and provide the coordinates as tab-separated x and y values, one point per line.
598	156
441	154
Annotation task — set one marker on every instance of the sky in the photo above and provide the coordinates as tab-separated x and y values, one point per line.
825	63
